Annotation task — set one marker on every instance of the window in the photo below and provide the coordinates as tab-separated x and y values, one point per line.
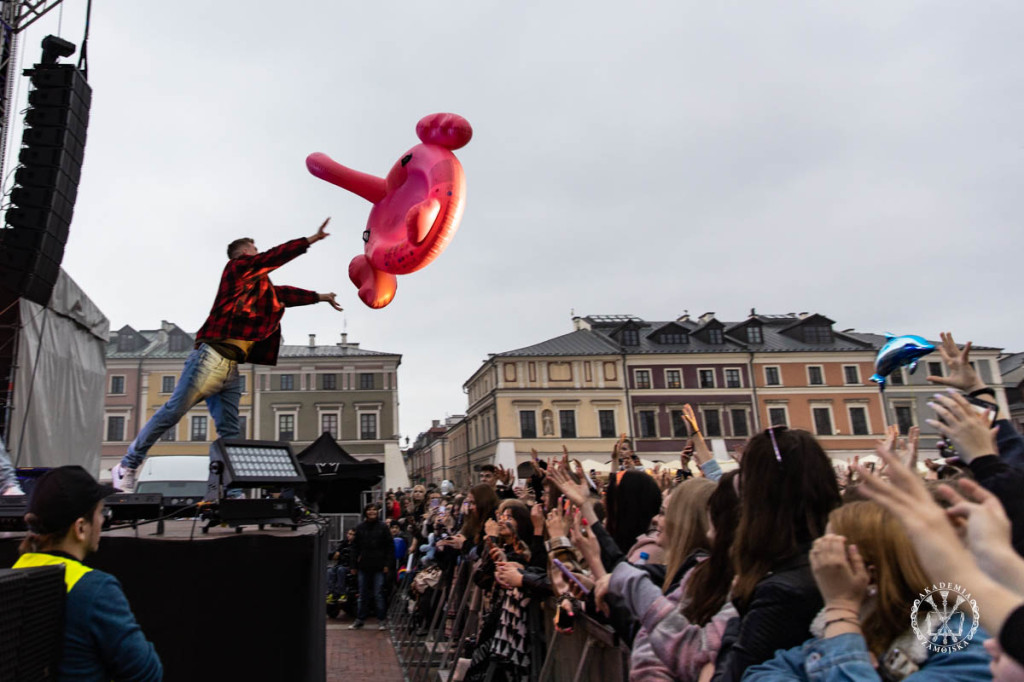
818	334
288	383
366	382
904	418
117	384
567	421
115	429
648	424
715	336
859	421
755	334
199	428
935	369
851	374
243	381
179	342
679	427
707	378
329	424
673	379
712	424
739	422
170	434
732	378
643	378
815	375
243	426
606	420
771	376
673	338
630	337
777	416
329	382
167	385
368	426
527	424
286	427
896	378
822	421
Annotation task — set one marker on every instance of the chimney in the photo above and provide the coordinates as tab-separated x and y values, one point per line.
707	316
312	340
685	317
804	315
344	339
436	423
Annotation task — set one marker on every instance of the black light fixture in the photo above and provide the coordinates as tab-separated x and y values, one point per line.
54	48
238	463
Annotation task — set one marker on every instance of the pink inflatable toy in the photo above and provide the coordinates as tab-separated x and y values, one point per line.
416	208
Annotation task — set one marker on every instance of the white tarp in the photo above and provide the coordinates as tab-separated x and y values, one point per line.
60	381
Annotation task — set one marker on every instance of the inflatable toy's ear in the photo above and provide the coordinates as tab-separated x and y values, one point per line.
445	130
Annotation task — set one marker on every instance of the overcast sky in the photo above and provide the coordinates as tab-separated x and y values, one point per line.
861	160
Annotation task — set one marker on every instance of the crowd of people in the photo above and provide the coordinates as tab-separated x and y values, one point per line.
787	567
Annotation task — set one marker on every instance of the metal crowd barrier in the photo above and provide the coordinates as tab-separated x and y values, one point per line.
429	650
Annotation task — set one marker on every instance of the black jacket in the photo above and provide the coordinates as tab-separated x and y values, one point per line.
778	616
373	547
1005	482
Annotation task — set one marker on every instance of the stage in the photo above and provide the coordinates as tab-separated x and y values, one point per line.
223	605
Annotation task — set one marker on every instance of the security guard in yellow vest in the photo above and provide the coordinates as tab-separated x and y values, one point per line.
102	640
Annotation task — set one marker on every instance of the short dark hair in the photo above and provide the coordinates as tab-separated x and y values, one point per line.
488	467
235	246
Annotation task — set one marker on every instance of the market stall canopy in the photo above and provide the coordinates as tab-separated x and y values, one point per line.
324	460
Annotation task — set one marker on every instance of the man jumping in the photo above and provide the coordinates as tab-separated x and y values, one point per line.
244	326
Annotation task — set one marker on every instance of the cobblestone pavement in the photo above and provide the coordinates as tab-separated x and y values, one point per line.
355	655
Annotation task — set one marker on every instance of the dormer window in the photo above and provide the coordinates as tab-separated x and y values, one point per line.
755	334
630	337
715	336
179	342
673	338
817	334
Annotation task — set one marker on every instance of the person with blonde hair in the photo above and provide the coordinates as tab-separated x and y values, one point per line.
870	578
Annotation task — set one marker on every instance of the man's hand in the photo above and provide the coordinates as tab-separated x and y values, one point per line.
968	430
330	298
321	233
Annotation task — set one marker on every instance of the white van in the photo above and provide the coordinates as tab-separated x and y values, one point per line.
181	479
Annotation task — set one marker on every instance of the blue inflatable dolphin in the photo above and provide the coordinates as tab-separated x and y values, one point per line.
899	351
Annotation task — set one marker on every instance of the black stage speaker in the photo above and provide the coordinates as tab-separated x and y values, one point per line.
46	181
31	622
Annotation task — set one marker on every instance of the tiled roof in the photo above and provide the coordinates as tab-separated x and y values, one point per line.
582	342
158	346
330	352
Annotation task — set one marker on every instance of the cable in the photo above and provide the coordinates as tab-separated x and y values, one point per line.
83	59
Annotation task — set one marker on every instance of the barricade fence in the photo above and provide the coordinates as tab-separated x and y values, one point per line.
433	628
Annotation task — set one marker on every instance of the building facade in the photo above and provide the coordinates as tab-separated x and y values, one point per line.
621	374
342	389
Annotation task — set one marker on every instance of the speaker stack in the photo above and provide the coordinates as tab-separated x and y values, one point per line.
46	181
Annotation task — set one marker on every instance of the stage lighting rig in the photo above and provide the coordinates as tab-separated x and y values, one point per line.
54	48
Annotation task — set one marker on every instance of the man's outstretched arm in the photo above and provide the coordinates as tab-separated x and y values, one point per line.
294	296
271	259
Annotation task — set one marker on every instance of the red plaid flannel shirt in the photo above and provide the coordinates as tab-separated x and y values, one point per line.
249	307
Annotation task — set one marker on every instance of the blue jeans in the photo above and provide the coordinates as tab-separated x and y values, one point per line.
207	376
8	476
371	580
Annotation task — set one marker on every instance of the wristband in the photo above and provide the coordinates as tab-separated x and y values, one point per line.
852	621
560	542
990	392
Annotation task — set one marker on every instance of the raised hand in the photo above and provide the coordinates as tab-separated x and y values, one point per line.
839	572
968	430
321	233
588	546
332	299
576	492
961	375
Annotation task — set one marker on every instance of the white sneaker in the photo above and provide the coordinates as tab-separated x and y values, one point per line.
123	478
13	489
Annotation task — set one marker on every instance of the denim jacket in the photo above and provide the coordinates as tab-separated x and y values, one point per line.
845	658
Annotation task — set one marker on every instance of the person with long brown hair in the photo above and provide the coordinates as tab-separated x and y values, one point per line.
870	577
787	490
481	502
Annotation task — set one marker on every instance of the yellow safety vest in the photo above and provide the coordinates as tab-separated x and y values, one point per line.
73	570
